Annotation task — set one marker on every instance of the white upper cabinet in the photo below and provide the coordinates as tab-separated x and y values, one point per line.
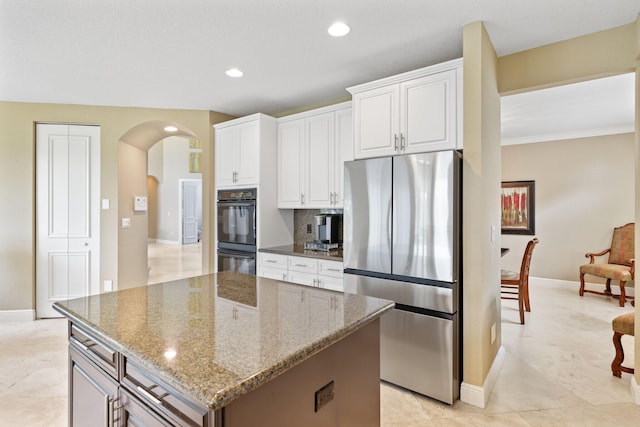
291	162
238	148
312	148
413	112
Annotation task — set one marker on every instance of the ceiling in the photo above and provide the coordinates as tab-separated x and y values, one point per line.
173	54
604	106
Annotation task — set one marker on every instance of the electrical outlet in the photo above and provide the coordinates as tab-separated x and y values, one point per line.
493	333
309	229
324	396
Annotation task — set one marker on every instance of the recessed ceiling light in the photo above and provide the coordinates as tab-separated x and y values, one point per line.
339	29
170	128
234	72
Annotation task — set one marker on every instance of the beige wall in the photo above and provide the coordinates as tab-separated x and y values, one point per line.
583	58
132	242
584	188
481	212
17	143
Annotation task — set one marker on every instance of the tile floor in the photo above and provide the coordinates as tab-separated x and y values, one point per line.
556	370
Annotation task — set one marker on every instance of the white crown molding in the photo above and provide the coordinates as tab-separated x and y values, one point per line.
584	133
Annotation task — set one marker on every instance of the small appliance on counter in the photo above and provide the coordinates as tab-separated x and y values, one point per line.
328	229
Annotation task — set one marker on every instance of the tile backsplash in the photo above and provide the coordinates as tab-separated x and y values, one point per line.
304	217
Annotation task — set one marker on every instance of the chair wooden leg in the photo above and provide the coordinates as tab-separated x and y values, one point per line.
623	295
581	291
617	361
608	287
521	305
525	292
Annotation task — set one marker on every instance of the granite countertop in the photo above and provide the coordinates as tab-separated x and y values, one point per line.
299	250
230	332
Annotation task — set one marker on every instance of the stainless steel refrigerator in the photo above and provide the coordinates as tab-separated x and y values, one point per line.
402	242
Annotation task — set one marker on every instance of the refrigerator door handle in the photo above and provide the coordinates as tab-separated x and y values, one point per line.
389	224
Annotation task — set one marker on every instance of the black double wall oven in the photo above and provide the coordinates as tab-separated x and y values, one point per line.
237	210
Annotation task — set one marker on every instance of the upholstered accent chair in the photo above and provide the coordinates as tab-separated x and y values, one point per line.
515	285
620	266
621	325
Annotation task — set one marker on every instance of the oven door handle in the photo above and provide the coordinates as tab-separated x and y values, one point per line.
232	254
234	204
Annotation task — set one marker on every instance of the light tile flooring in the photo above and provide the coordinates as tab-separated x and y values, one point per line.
556	371
170	262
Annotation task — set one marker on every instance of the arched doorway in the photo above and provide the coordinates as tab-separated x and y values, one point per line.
133	226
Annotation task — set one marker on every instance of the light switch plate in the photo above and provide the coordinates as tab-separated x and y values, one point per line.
105	204
126	222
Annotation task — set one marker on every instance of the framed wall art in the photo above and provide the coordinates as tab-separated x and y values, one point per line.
518	207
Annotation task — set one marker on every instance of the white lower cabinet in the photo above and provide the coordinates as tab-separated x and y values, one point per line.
302	270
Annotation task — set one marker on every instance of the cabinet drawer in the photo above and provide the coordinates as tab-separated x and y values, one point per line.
330	268
162	398
273	273
97	351
333	283
303	265
136	413
307	279
273	260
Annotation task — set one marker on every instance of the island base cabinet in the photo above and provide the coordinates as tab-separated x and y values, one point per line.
352	365
92	393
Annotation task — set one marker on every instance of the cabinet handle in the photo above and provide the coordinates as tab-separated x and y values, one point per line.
335	198
273	261
301	265
149	396
402	139
395	141
337	270
111	412
301	198
284	276
331	198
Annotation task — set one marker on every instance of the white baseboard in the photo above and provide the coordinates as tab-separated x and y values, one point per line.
556	282
17	315
165	242
479	396
635	391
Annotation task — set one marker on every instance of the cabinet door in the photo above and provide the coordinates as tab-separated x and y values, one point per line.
343	152
291	184
320	161
247	154
225	157
376	122
428	113
92	393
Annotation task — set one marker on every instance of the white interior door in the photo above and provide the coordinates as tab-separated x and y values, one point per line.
67	214
191	210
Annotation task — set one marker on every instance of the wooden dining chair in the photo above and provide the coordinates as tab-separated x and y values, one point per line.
515	286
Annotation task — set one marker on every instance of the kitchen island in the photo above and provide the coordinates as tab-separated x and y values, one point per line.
224	349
